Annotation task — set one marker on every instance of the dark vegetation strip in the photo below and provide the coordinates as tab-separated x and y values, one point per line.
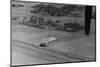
52	10
40	22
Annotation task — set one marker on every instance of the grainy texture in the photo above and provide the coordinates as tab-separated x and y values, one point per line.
27	35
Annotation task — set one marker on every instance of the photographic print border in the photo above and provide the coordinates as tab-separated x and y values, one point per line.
45	63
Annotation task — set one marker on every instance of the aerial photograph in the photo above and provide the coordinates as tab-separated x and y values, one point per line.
52	33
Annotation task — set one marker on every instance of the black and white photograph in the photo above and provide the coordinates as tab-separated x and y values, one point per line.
52	33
